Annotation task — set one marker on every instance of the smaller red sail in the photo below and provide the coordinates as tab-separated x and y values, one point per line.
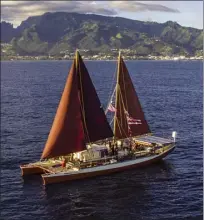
129	117
67	133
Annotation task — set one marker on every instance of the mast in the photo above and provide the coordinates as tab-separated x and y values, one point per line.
120	121
116	96
77	59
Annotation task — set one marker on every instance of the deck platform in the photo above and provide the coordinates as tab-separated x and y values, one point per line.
148	139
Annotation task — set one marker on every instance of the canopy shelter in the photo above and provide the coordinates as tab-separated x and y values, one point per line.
148	139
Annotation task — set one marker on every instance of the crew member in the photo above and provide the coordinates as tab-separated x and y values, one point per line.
130	145
63	163
121	145
112	148
116	148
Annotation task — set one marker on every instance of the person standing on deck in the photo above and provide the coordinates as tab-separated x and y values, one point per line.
63	163
116	147
112	149
130	146
116	150
121	145
109	145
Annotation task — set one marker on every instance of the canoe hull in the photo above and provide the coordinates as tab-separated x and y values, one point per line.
28	170
103	170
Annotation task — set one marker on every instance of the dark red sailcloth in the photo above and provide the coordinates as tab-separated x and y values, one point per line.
66	134
71	130
97	126
127	107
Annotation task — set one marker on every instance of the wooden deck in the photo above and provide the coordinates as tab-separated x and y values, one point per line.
54	166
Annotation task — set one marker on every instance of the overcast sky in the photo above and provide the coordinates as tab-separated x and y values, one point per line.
186	13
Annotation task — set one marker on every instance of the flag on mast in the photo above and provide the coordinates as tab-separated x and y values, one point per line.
111	108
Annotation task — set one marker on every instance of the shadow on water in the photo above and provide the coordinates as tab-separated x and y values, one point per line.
32	179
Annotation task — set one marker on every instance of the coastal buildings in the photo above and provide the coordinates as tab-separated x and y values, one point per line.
7	53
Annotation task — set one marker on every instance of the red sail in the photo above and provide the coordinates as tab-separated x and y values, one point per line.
129	117
79	118
66	135
96	126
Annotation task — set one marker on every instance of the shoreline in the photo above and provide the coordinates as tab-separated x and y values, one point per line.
31	59
150	58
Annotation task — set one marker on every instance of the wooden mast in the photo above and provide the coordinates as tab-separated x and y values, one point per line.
117	93
77	59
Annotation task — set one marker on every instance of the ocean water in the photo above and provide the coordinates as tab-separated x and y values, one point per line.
171	95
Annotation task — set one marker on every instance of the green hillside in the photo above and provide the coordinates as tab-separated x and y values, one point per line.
57	33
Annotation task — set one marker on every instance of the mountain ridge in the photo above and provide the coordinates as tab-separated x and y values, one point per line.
58	32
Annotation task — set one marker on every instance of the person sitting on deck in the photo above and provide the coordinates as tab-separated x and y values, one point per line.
63	163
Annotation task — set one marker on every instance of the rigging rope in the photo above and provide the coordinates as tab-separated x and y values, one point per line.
112	121
121	128
118	122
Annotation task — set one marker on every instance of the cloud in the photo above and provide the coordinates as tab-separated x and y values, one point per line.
17	11
134	6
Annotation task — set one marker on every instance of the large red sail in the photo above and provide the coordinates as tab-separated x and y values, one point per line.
66	135
79	118
96	126
129	118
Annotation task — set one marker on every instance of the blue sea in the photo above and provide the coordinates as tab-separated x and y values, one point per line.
170	93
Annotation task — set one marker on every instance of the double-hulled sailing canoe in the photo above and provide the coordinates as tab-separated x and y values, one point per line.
81	142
